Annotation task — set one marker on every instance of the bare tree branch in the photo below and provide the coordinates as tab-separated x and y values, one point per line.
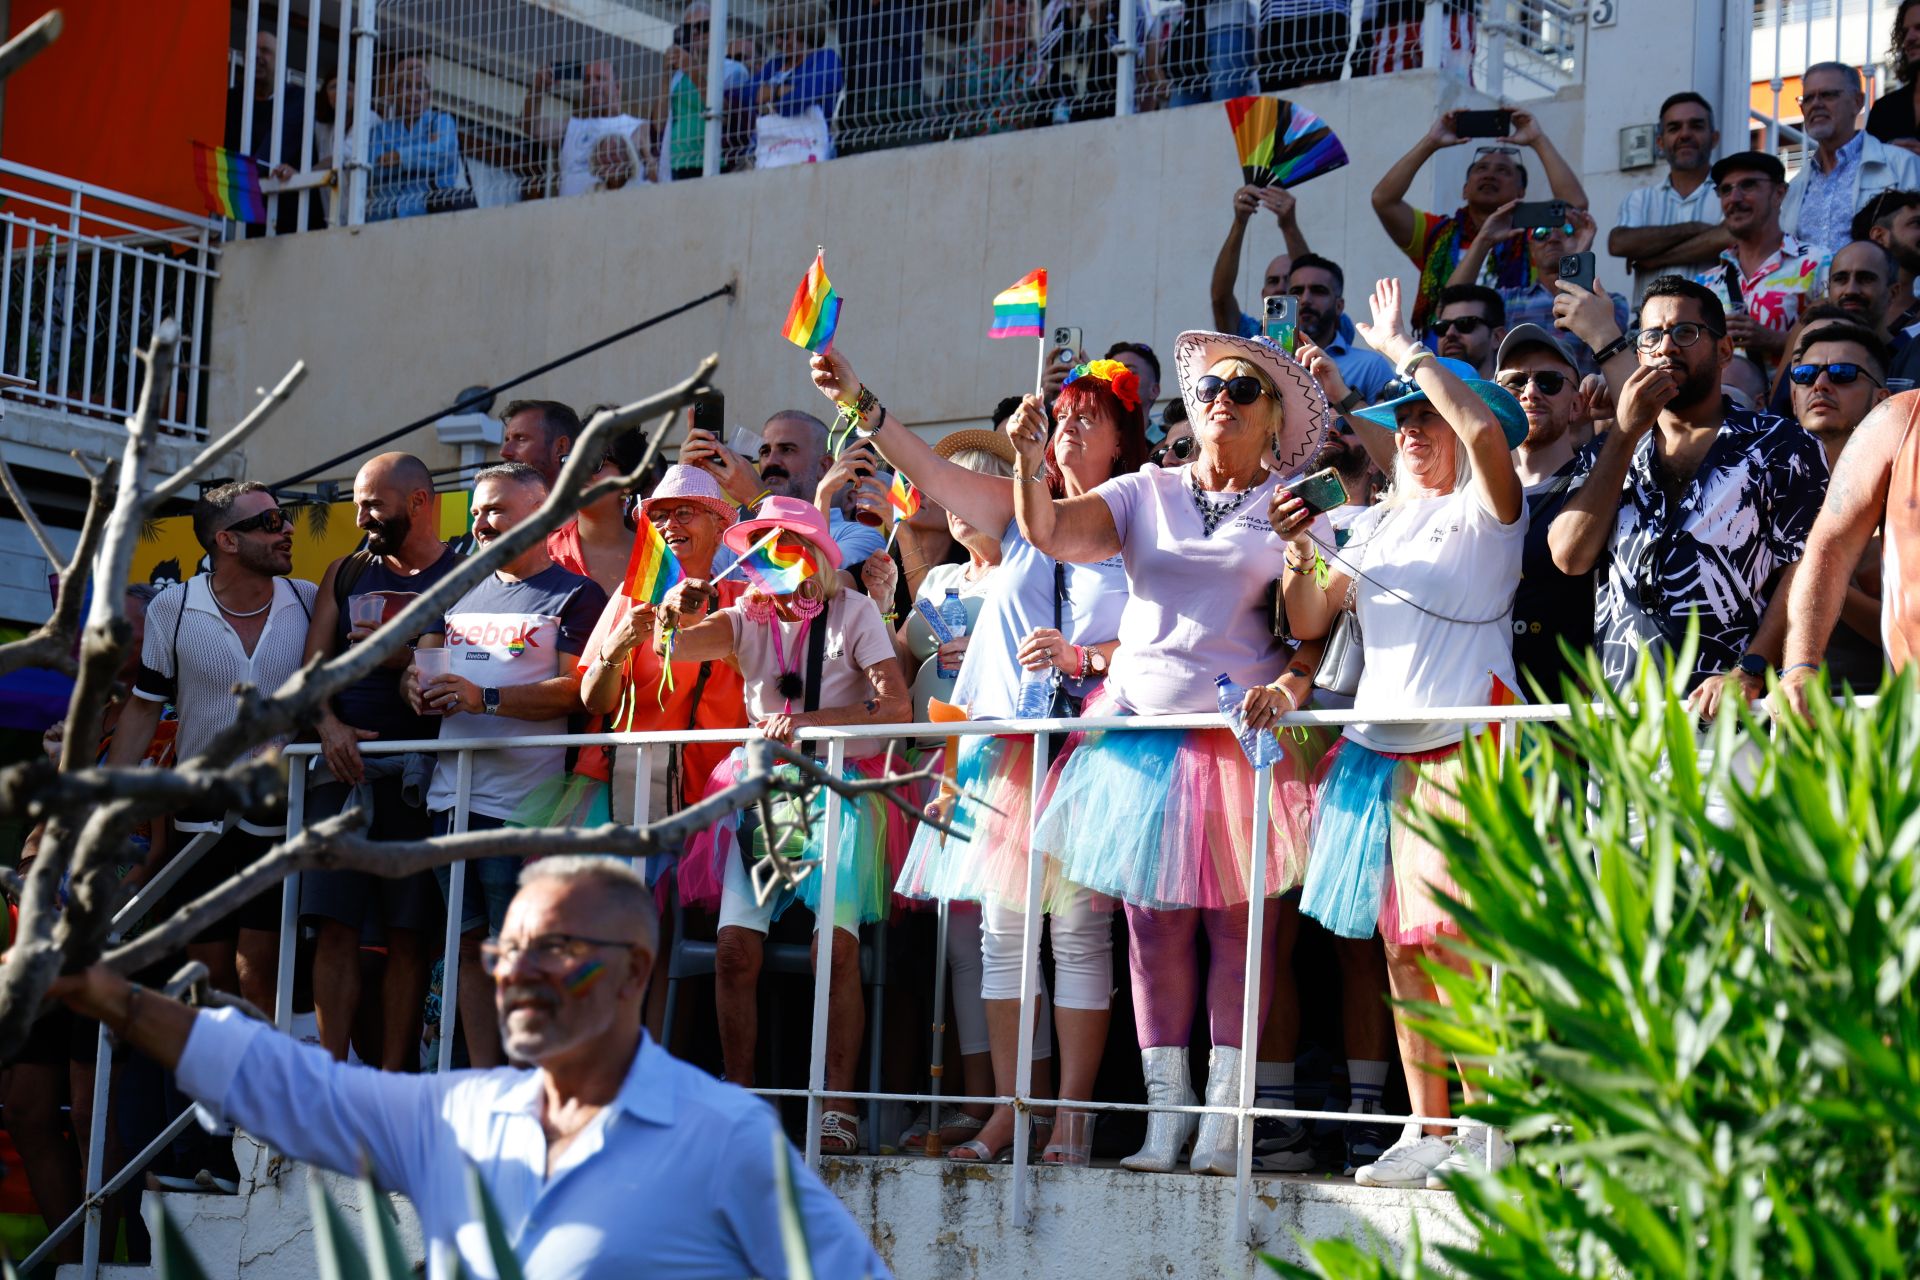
52	643
30	43
36	788
232	440
28	516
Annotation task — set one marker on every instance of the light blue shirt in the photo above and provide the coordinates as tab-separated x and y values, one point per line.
675	1180
428	155
1826	211
857	542
1362	369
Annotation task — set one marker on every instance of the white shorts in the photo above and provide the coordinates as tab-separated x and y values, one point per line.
738	908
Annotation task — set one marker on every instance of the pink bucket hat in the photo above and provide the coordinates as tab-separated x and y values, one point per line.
696	485
792	515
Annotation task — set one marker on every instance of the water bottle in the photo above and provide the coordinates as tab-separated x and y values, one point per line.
954	614
1035	701
1261	746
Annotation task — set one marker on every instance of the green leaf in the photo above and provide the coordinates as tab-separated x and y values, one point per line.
386	1259
340	1258
505	1265
172	1259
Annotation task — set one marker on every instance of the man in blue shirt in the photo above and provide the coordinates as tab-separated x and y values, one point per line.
1321	287
608	1158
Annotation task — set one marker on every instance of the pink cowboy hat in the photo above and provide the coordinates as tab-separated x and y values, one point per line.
696	485
792	515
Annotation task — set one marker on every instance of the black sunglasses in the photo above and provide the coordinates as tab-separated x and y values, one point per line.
1244	389
273	520
1842	373
1549	382
1467	325
1181	449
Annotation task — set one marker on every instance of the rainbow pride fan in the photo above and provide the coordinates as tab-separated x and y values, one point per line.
1255	121
1304	146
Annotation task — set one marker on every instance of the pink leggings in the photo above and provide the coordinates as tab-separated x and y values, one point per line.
1166	971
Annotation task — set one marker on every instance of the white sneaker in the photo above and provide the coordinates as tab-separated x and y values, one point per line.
1469	1156
1407	1163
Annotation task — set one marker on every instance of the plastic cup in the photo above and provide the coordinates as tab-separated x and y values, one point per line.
368	610
431	664
1073	1137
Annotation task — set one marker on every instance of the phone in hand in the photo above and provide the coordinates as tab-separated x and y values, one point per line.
709	413
1736	296
1321	492
1577	269
1281	324
1067	344
1483	124
1530	215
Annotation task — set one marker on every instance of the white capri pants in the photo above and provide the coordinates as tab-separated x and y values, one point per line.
1082	953
964	966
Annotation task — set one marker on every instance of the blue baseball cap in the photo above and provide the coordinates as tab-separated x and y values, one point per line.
1513	419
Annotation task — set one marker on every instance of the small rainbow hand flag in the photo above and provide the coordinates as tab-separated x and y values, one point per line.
777	569
1021	312
652	569
230	182
815	312
903	497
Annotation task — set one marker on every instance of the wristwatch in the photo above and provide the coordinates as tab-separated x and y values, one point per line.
1096	662
1351	401
490	701
1753	666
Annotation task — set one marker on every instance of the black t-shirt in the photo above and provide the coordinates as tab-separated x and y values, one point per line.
375	702
1892	116
1549	605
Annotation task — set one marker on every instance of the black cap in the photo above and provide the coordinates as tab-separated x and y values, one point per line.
1748	162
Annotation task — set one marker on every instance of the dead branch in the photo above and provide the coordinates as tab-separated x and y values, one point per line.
52	643
28	516
42	32
232	440
36	789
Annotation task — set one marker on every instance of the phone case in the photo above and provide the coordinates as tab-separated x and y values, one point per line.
1322	491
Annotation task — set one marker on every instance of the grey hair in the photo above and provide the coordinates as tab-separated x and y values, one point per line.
1839	69
987	464
618	882
517	472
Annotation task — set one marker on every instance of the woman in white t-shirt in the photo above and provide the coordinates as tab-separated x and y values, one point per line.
772	636
1163	818
1041	617
1432	572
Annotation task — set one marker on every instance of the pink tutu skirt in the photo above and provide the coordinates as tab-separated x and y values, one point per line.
873	843
1163	818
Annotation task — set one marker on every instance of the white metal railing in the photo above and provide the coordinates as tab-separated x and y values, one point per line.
89	272
407	107
1784	39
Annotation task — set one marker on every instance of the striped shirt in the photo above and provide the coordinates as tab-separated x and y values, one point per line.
1661	206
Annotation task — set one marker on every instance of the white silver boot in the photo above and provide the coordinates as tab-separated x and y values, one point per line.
1165	1067
1217	1149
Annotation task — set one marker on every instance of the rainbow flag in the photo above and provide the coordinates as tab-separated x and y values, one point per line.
815	312
652	569
903	497
1021	312
230	182
777	569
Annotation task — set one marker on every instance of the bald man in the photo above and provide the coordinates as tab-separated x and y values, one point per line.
403	555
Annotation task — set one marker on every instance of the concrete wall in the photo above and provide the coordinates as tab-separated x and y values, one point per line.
1126	214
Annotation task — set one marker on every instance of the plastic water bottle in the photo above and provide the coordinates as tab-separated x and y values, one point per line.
954	614
1035	701
1261	746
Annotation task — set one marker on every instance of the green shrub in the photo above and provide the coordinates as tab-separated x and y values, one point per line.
1706	1040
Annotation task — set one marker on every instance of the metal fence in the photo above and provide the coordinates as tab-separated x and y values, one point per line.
88	274
1786	37
376	109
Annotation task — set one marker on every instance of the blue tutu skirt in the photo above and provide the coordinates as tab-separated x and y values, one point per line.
1367	868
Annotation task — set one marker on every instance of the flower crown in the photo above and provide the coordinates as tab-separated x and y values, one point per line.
1122	381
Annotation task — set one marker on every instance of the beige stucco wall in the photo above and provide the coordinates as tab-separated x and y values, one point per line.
1126	214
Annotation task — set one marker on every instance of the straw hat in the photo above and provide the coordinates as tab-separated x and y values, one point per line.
791	515
696	485
1304	417
993	442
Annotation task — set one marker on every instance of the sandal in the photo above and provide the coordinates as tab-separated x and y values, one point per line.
839	1133
914	1136
977	1152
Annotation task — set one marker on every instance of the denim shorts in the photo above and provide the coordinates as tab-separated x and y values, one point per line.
491	882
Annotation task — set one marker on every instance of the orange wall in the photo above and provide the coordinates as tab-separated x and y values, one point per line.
120	96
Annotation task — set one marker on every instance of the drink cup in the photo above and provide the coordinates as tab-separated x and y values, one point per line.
431	664
368	610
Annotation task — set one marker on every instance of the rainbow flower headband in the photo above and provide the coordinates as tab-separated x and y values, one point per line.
1122	381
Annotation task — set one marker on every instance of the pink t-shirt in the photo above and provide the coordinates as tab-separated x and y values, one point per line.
1198	604
856	639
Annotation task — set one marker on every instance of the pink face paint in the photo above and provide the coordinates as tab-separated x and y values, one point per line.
582	979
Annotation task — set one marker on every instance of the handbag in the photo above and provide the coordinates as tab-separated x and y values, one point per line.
1345	655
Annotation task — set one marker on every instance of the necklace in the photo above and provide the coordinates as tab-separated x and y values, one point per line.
1213	510
235	613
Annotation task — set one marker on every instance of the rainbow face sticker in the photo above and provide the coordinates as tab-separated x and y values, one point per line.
584	978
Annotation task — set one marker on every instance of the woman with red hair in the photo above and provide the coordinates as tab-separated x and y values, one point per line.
1041	616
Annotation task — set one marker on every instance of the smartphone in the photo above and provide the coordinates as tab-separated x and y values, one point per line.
1736	297
709	413
1483	124
1322	491
1530	214
569	71
1282	321
1066	344
1577	269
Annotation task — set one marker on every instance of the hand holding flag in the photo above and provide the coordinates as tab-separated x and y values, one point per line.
777	570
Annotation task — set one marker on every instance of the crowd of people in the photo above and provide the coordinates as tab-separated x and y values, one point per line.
814	78
1440	504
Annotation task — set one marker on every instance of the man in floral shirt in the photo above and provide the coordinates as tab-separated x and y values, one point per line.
1776	274
1690	508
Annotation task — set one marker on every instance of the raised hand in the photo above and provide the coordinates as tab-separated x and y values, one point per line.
1027	428
1324	370
1388	333
833	374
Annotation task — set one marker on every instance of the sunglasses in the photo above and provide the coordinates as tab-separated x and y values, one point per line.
1180	449
1684	334
1549	382
1842	373
1547	233
1467	325
1482	153
1244	389
273	520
